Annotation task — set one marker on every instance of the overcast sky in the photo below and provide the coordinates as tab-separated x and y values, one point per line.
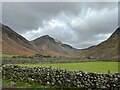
77	24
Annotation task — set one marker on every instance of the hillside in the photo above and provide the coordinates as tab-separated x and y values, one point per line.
13	43
54	47
105	50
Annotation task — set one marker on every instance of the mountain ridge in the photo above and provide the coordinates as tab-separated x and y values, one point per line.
107	49
14	43
46	45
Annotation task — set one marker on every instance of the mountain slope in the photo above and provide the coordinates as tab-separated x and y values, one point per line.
54	47
13	43
107	50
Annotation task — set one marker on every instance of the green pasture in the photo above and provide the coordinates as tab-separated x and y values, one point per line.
96	67
6	56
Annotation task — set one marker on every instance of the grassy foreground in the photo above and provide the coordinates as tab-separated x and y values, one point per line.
96	67
12	84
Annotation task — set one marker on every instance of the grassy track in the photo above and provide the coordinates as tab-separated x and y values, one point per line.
98	67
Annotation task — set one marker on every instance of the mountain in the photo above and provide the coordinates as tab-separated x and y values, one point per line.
107	50
54	47
13	43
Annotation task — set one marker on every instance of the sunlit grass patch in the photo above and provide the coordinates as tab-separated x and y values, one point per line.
96	67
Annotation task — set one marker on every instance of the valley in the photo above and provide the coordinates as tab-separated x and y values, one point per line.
46	57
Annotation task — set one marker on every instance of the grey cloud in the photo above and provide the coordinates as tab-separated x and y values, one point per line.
101	24
27	18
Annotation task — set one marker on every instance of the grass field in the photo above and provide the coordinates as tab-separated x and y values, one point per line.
96	67
6	56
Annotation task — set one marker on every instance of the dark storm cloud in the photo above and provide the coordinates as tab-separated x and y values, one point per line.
78	24
27	16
